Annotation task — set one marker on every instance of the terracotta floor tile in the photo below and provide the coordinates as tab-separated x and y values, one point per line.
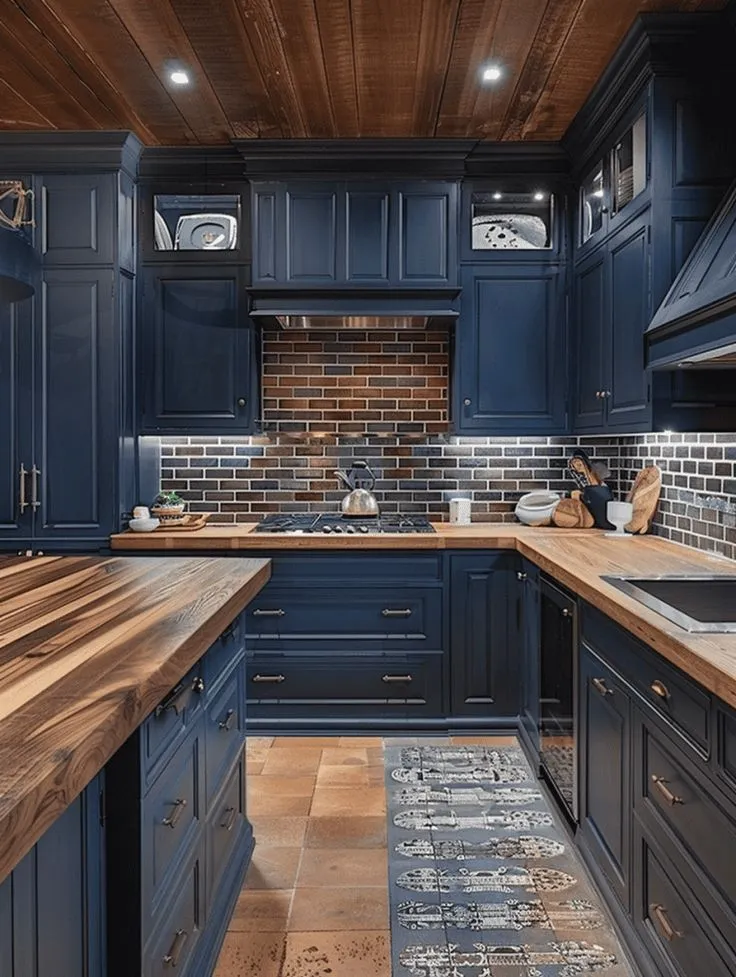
375	755
324	954
251	955
280	832
340	908
332	801
261	802
298	742
273	868
346	832
292	763
345	756
283	786
261	911
376	741
258	742
253	768
344	776
354	867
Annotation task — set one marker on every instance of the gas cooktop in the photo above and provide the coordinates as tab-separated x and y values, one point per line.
311	522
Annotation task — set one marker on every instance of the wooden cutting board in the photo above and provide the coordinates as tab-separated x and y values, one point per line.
573	514
644	496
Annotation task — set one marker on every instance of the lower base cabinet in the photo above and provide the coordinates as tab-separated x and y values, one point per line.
51	905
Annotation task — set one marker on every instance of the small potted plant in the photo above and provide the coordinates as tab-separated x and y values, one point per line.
168	507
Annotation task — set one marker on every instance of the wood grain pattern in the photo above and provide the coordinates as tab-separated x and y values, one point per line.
321	69
644	496
88	647
573	514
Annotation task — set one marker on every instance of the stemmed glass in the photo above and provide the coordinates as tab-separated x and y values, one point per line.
620	514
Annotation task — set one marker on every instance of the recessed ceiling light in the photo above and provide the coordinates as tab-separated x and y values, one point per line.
539	195
179	77
498	196
492	73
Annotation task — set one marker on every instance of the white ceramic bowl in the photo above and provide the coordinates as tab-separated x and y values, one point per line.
143	525
537	508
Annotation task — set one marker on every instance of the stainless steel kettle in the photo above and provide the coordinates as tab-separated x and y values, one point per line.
360	501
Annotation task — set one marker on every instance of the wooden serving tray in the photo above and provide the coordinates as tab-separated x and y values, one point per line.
187	523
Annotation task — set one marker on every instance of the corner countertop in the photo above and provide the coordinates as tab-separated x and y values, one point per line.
88	647
577	558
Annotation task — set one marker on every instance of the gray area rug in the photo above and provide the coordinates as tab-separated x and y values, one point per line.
483	881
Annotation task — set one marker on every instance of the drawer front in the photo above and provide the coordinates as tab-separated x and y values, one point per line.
365	569
351	618
726	753
347	686
672	925
669	793
225	826
170	949
668	690
225	730
221	656
168	723
171	815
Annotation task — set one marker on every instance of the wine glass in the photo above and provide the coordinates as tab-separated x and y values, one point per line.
620	514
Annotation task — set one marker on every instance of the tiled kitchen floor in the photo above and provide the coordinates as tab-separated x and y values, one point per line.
315	901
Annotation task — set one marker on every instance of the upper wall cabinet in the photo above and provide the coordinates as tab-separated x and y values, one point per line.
510	219
311	234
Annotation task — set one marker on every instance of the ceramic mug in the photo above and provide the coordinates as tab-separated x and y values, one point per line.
460	512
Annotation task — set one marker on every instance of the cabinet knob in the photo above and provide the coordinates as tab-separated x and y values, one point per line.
241	401
467	402
520	575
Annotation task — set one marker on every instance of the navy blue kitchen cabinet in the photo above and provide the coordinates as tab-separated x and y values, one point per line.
307	233
530	643
510	351
16	350
198	363
52	905
484	673
78	212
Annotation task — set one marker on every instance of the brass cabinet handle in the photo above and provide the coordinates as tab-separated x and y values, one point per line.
176	812
22	504
230	817
171	959
268	678
660	915
402	612
35	472
396	678
265	612
660	689
226	723
600	686
661	784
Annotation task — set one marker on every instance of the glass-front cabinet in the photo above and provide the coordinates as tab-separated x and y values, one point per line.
195	222
509	217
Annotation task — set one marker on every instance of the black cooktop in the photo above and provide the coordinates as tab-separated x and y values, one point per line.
312	522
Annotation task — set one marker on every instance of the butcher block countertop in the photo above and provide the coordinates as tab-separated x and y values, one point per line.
88	647
577	558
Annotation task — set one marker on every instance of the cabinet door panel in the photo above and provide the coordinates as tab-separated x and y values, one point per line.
196	351
426	243
591	328
511	354
367	219
484	682
15	414
311	235
77	392
78	219
628	402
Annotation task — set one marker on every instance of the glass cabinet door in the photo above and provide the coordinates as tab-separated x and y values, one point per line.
196	222
503	220
630	164
592	202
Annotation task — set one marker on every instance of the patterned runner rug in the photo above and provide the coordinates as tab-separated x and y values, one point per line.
483	882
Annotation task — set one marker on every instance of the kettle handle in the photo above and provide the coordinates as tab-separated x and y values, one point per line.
344	479
368	471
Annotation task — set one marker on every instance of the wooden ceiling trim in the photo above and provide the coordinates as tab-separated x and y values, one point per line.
436	39
157	31
336	34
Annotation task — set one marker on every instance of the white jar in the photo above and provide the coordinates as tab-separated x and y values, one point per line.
460	512
141	512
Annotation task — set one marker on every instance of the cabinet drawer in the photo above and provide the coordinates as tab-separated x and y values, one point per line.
225	827
170	719
672	925
223	653
670	793
225	727
170	949
668	690
171	817
346	686
365	570
352	618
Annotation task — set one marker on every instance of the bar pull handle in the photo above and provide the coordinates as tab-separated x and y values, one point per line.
600	686
22	504
35	472
663	921
661	784
396	678
399	612
266	612
173	699
226	723
171	959
177	810
268	678
660	689
229	630
230	817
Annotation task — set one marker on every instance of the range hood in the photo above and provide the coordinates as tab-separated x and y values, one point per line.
17	266
695	326
341	308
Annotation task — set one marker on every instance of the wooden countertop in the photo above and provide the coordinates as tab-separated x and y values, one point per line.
88	647
575	557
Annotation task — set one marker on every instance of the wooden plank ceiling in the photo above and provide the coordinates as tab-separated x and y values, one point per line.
308	68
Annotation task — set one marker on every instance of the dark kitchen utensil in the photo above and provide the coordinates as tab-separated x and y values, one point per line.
597	471
596	498
579	472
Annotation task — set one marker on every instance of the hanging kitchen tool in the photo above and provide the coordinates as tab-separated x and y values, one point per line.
644	496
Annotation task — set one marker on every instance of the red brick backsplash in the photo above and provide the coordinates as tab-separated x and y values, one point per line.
354	382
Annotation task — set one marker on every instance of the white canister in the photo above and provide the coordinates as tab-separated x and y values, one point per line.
141	512
460	512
